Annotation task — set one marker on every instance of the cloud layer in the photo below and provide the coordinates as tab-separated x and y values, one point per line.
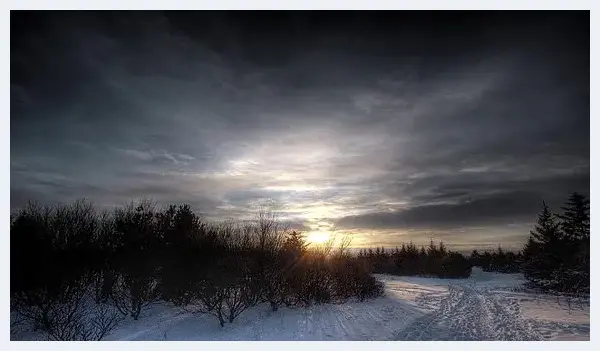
345	120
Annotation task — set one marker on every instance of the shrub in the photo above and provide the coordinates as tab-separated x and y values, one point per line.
66	316
139	254
134	291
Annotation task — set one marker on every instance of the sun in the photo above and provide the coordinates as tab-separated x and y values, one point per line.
317	237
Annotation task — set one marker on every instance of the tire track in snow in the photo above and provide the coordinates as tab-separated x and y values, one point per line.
470	314
354	321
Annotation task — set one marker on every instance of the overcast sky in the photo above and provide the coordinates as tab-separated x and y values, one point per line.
394	126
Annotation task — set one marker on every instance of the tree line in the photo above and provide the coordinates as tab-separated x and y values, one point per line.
431	261
556	257
557	254
76	272
497	261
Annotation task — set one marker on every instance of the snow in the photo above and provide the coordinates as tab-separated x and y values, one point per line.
486	306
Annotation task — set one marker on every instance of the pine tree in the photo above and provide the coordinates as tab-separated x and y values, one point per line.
294	246
575	223
475	258
361	254
531	249
544	251
442	249
575	230
370	254
546	229
403	251
432	249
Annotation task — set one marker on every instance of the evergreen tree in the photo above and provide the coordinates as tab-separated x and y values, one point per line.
295	243
432	249
545	252
403	251
575	220
544	239
475	258
575	230
546	231
442	250
361	255
422	261
531	249
484	260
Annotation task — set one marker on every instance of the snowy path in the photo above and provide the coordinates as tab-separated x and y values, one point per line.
378	319
471	314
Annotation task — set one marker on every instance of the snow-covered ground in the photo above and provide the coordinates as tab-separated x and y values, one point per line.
487	306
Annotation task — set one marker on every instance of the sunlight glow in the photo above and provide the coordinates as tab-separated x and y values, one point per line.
318	237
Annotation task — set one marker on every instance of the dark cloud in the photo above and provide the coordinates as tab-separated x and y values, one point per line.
451	211
396	121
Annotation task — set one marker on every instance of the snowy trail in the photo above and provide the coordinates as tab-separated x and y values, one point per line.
471	314
377	319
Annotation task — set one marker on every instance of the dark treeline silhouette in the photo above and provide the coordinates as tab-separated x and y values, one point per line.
497	261
76	272
557	255
432	261
555	259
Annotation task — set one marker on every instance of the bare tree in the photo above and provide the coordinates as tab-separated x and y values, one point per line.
133	294
66	316
269	231
209	298
238	298
105	320
344	244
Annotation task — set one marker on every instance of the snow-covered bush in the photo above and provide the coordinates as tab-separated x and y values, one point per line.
67	316
134	292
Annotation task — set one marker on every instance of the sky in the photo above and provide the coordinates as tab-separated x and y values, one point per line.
391	126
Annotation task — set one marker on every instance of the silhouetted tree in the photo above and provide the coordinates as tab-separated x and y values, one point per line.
575	230
543	249
575	219
63	257
556	256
